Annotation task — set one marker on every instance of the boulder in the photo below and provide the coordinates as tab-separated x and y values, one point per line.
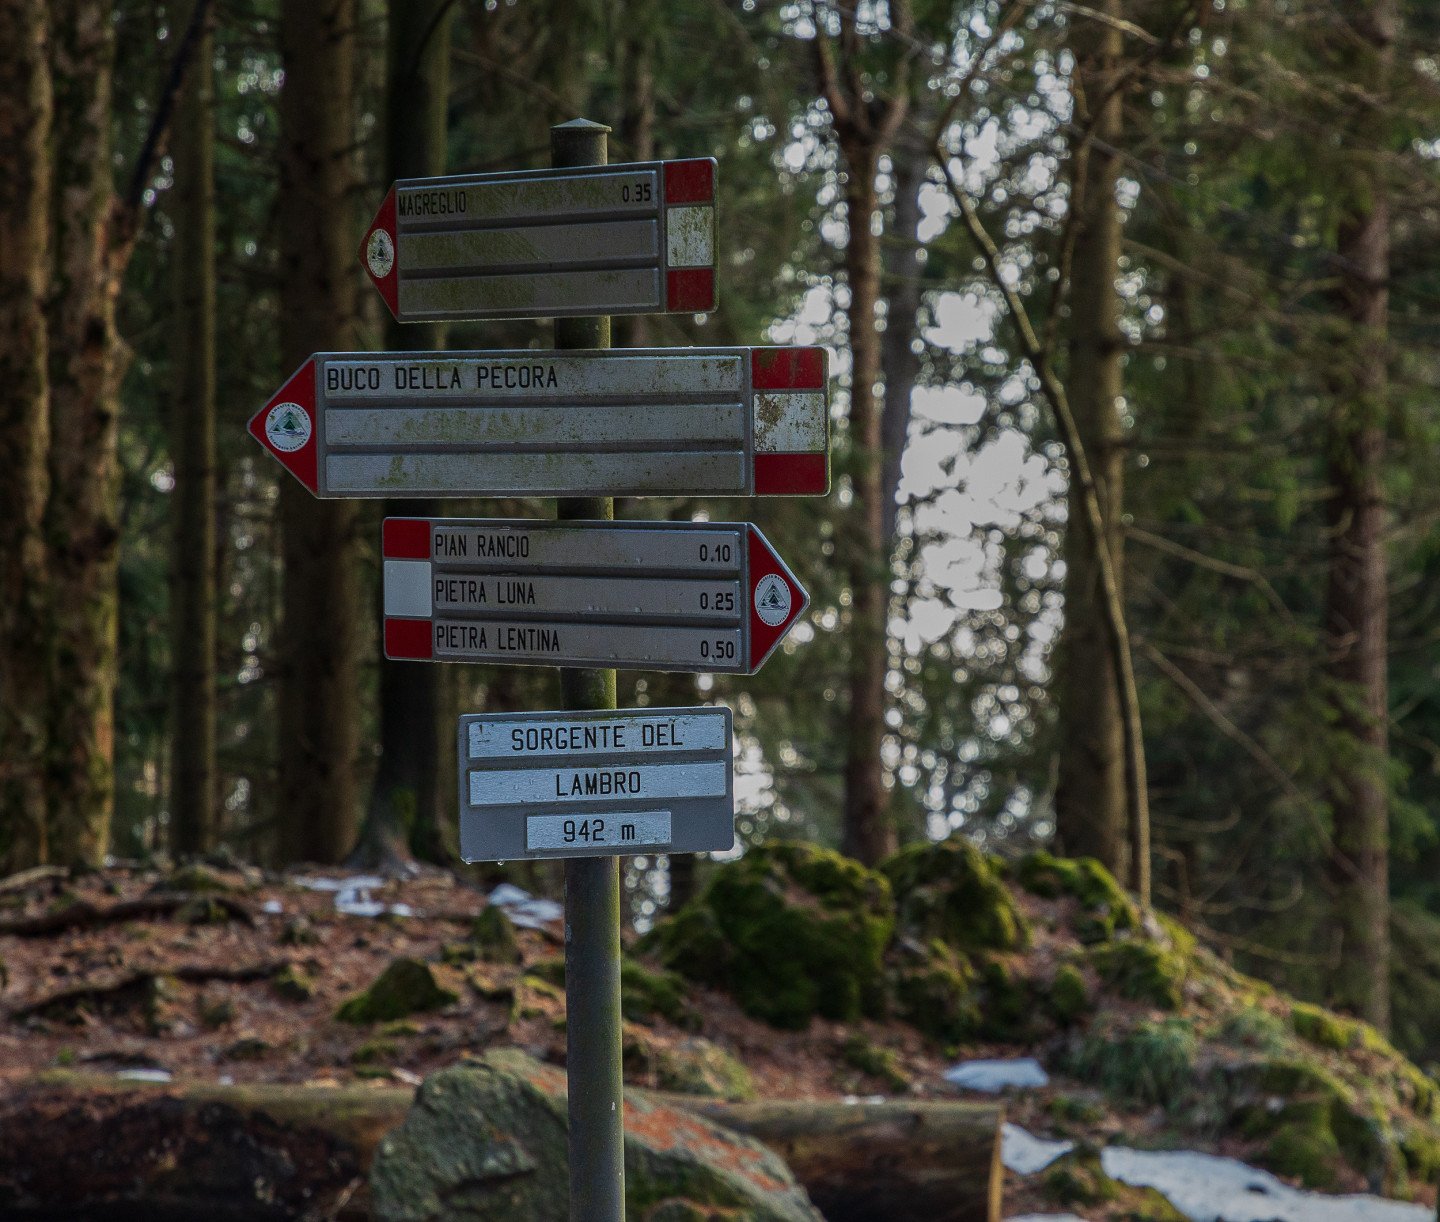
487	1141
950	890
407	986
790	931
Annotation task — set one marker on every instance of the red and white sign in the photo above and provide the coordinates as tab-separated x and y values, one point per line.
613	422
613	239
678	596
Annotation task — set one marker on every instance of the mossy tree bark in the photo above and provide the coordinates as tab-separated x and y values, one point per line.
1357	596
1091	793
92	244
25	108
319	681
865	123
404	813
193	813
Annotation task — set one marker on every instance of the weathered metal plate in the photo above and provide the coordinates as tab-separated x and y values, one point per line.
596	783
620	239
628	422
677	596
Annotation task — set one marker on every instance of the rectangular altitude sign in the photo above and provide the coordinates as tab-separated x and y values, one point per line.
618	239
596	783
623	422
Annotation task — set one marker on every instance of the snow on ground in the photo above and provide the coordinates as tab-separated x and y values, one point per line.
994	1076
1204	1187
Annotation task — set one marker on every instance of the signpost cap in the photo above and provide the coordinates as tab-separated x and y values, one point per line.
581	125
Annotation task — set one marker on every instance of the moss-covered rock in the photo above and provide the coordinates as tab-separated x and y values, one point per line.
493	936
790	931
644	994
859	1052
292	984
407	986
1077	1179
692	1067
1321	1027
1142	969
949	890
1005	1001
1105	909
488	1140
198	878
933	990
1143	1063
1070	998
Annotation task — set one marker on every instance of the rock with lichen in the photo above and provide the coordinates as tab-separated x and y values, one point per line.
488	1140
407	986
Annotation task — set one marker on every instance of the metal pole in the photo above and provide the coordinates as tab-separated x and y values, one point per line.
592	884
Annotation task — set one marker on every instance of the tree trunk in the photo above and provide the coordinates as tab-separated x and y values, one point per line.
404	812
24	428
1357	600
900	361
319	688
904	1162
86	362
868	832
193	812
1091	792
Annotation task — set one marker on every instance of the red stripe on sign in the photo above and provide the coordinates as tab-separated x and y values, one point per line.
792	474
787	369
409	638
691	291
405	539
689	182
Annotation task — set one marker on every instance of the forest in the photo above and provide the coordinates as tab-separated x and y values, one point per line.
1130	551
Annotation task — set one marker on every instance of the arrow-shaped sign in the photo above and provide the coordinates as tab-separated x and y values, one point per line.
621	422
619	239
680	596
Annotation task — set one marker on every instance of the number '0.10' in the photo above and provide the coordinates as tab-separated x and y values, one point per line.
719	554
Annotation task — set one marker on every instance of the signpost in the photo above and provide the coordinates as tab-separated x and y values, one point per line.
676	596
596	784
588	240
634	422
576	243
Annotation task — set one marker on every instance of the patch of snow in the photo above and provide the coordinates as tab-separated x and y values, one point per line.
1024	1154
857	1100
144	1075
273	907
1206	1188
352	895
994	1076
523	908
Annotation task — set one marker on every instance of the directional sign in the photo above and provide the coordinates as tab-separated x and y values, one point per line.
680	596
623	422
596	784
618	239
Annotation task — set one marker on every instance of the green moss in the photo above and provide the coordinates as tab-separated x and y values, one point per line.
1306	1151
407	986
1105	909
1148	1063
1077	1179
644	994
203	910
859	1053
292	984
691	1067
791	931
373	1051
197	878
1006	1003
1069	994
1142	970
933	991
1253	1027
1322	1028
1421	1148
551	971
950	890
493	935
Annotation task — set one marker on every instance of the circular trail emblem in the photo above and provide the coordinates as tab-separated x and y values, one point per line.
380	254
287	426
772	600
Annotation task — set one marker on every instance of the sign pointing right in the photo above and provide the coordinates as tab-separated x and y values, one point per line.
680	596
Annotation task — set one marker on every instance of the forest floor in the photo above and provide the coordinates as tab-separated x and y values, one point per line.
231	976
